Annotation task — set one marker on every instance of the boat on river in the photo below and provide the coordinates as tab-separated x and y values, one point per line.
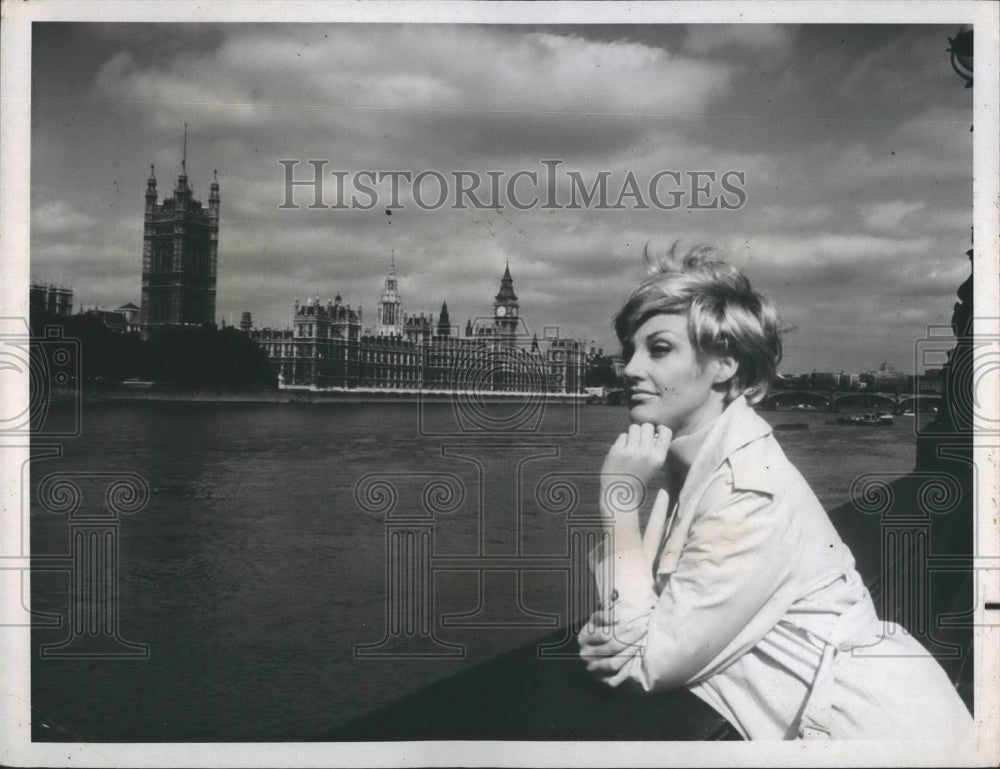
791	426
871	418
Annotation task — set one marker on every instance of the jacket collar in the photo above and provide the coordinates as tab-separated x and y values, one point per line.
738	426
685	449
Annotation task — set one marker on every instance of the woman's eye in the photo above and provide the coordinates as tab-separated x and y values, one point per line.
661	349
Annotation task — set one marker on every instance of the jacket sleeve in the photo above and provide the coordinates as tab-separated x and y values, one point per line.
620	566
721	599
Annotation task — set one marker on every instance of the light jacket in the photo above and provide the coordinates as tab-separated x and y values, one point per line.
754	604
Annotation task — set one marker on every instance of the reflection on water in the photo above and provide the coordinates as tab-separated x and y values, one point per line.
253	572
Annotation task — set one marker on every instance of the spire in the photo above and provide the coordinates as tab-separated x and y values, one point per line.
506	287
392	262
151	188
213	192
182	192
444	322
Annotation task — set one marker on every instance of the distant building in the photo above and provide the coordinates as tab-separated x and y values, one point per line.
112	320
887	379
931	382
179	256
132	316
326	348
824	380
320	349
50	298
418	329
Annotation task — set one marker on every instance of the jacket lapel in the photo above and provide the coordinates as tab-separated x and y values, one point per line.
738	427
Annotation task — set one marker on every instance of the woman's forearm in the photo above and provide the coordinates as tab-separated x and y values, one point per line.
629	555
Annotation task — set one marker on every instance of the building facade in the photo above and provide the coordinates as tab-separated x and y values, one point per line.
321	348
132	314
180	247
325	348
50	298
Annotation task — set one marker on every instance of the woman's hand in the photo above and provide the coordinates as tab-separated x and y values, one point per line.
640	452
634	459
608	641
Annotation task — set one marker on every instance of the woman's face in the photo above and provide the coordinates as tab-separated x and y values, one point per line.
666	385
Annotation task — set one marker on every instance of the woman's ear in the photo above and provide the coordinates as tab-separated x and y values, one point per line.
725	369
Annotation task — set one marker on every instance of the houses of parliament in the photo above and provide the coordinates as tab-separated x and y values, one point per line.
325	347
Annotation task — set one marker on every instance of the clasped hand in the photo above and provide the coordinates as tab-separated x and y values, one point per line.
632	462
641	451
611	638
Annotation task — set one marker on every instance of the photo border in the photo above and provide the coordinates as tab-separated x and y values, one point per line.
15	51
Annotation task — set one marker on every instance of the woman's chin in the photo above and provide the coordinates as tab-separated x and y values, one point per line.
641	413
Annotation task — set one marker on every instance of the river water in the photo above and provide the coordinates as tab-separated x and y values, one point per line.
258	565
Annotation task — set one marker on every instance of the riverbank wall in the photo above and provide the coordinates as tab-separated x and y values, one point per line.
168	394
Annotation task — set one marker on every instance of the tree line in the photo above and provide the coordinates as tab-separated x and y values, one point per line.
200	357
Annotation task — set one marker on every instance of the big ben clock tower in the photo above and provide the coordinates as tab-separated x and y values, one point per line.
505	306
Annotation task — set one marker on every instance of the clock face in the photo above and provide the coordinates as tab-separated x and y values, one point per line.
501	311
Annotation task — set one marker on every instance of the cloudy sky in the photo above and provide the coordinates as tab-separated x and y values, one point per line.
853	142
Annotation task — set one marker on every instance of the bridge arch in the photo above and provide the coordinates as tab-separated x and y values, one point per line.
866	400
783	399
920	402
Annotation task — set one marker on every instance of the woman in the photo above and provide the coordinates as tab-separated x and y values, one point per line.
740	588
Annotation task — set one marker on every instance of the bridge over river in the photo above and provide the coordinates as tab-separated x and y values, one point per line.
835	400
825	400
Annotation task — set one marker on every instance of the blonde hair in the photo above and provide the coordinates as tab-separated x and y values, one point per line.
725	316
